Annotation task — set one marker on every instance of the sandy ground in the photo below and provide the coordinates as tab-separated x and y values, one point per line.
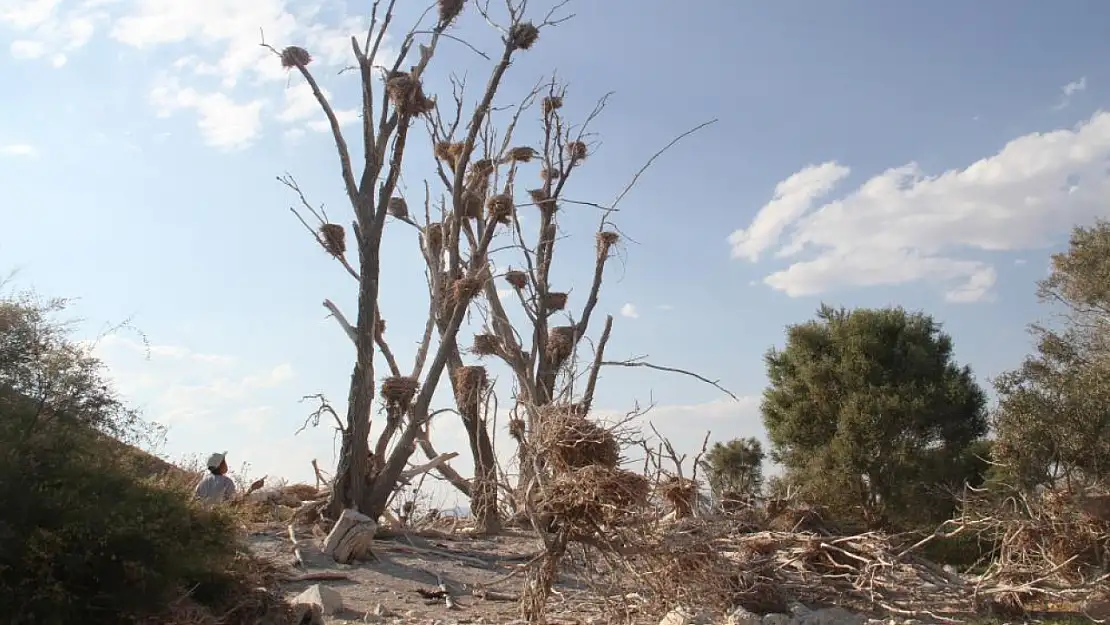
479	572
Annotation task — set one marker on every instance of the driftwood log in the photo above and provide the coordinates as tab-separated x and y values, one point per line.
351	539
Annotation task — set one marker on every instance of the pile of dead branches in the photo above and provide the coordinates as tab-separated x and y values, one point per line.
1051	547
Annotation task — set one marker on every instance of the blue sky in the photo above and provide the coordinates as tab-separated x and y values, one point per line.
930	155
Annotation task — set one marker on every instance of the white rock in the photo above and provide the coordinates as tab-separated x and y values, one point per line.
740	616
680	616
328	599
830	616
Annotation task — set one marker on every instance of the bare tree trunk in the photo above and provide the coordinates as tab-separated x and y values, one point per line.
483	497
350	488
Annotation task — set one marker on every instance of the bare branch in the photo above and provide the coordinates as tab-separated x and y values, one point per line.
637	362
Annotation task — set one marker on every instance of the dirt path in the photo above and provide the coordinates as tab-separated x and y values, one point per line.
386	591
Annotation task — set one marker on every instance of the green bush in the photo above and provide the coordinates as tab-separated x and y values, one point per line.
85	540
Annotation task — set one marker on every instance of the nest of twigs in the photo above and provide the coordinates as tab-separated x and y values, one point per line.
552	103
517	279
433	236
486	345
517	429
398	207
470	383
466	288
680	493
449	10
449	153
541	199
524	35
334	239
605	241
801	518
407	94
471	205
477	178
550	173
555	301
560	343
500	208
399	391
568	440
523	154
577	151
295	56
592	499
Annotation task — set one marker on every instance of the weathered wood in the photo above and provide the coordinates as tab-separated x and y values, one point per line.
351	539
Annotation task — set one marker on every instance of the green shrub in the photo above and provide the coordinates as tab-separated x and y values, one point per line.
85	540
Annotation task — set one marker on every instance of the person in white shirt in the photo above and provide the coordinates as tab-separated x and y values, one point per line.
216	486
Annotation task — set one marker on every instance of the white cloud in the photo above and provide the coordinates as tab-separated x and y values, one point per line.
793	197
25	49
905	226
1069	90
18	149
301	106
223	122
629	310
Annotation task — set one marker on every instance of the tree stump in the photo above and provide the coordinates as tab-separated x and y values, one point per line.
351	539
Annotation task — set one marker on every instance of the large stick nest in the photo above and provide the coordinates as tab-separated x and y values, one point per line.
516	278
399	391
398	207
295	56
680	493
556	300
407	94
592	499
500	208
568	440
449	10
334	238
560	343
470	383
486	345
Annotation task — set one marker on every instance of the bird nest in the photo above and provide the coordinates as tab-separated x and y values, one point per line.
295	56
470	383
471	205
560	343
433	235
500	208
556	301
594	498
550	173
486	345
449	10
517	279
680	493
398	207
449	153
517	429
541	199
398	391
524	35
577	151
464	289
522	154
334	239
407	94
552	103
568	440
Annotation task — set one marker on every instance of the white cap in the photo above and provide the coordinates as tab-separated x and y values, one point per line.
215	460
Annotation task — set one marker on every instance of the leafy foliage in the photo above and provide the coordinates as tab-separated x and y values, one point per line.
735	468
1052	422
83	539
871	416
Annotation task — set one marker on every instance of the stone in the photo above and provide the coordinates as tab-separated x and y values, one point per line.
830	616
797	609
351	538
741	616
679	616
776	619
327	599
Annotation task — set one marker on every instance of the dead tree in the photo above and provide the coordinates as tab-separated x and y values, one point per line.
392	102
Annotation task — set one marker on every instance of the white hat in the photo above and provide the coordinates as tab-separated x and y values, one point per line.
215	460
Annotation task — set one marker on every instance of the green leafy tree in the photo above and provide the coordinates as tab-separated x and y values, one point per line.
735	468
870	415
1052	421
